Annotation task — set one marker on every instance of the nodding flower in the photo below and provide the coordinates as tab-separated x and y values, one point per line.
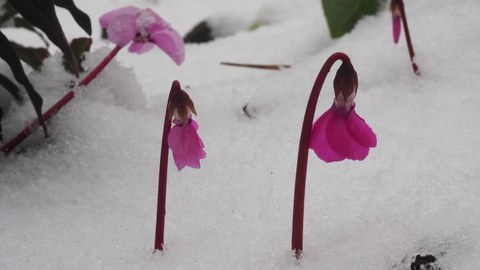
340	133
145	28
396	20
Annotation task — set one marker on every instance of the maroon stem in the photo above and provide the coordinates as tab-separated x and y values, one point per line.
28	130
407	37
302	160
162	176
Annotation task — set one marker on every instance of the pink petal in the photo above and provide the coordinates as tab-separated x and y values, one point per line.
159	24
340	139
397	27
319	142
107	17
122	29
140	47
186	145
359	130
171	43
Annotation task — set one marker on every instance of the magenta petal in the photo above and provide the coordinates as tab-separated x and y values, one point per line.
171	43
340	139
140	47
186	145
397	27
319	142
122	29
359	130
107	17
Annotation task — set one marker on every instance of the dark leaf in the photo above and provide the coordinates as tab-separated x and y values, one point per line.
10	87
8	54
32	56
79	47
80	17
1	116
7	12
342	15
20	22
41	14
201	33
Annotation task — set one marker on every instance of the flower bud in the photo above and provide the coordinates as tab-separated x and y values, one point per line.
345	85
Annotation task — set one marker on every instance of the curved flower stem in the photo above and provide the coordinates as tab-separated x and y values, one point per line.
162	177
302	160
407	37
27	131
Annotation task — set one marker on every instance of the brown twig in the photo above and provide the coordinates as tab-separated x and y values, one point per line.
260	66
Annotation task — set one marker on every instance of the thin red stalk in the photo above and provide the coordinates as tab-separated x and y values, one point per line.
407	37
162	177
302	160
28	130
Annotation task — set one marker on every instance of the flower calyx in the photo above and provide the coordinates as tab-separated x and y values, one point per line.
345	85
180	106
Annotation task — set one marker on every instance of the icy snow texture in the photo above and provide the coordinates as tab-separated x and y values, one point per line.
86	198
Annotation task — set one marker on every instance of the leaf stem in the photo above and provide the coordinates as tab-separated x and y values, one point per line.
28	130
302	160
162	177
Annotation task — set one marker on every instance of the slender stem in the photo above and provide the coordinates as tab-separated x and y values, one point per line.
28	130
271	67
407	37
162	177
302	160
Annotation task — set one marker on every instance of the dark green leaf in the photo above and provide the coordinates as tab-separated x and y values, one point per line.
7	12
10	87
41	14
201	33
32	56
79	47
1	116
342	15
20	22
8	54
80	17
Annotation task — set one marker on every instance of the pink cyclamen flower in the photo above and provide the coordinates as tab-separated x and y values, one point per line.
145	28
340	133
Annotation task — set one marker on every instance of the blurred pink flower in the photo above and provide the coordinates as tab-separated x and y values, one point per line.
144	27
186	145
397	27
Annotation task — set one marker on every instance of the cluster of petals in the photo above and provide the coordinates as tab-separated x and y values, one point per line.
145	28
340	133
186	145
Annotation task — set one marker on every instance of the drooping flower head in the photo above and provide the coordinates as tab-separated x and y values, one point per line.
183	139
145	28
340	133
396	20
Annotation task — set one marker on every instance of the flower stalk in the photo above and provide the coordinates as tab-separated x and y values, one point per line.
397	6
302	160
28	130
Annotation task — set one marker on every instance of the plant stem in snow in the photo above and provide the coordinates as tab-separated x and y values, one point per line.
27	131
407	37
302	160
270	67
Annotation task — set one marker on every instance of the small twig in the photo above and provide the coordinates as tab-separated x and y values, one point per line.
260	66
246	112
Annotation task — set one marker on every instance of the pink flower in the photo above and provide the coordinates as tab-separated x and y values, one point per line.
340	133
186	145
145	28
396	20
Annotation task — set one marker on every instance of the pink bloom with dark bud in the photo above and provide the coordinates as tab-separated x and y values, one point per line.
396	20
340	133
183	139
145	28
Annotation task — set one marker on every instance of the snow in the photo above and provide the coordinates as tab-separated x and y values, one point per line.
86	197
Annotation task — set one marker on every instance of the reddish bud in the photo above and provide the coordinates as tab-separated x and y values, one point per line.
345	85
180	105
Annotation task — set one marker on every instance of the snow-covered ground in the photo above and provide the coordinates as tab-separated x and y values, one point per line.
86	197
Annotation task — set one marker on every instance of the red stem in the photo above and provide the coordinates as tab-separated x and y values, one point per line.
407	37
302	160
28	130
162	177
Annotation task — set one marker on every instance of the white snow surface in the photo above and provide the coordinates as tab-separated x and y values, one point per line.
86	197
